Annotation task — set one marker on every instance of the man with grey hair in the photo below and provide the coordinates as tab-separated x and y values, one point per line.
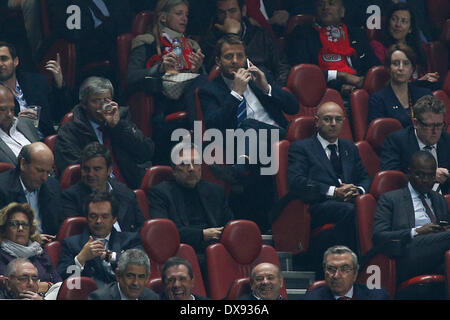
428	133
198	208
341	271
132	273
97	118
22	281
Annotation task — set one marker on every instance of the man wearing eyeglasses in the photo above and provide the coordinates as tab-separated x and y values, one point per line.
327	172
417	217
341	270
427	133
22	281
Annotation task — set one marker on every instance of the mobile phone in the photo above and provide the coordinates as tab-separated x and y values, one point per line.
443	223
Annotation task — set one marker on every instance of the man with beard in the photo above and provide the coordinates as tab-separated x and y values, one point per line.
341	270
266	281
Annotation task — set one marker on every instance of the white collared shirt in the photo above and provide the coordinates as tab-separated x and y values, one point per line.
433	151
33	201
15	140
255	109
420	214
349	294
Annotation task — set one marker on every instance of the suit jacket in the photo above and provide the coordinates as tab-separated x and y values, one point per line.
220	107
166	201
55	102
129	214
49	198
250	296
399	146
24	126
131	149
71	246
394	217
304	46
111	292
163	296
309	164
385	104
360	292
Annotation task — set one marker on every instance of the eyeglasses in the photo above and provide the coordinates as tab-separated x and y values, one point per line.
25	279
431	125
342	269
329	119
16	224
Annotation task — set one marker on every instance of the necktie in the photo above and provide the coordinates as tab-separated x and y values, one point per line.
335	161
107	143
99	9
242	111
427	208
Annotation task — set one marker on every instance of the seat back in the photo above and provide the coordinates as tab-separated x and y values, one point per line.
239	288
53	249
379	129
369	158
376	79
71	226
442	95
141	111
155	175
301	128
142	200
359	100
67	118
161	241
76	288
437	58
438	12
70	176
388	180
239	250
366	205
141	22
317	284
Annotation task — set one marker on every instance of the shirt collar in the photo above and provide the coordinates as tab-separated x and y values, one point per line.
105	238
325	143
25	190
421	144
349	294
122	296
414	193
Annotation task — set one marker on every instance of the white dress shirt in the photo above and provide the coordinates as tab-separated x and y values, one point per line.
15	140
420	214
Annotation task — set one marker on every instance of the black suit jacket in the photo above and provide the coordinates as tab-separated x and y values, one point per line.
163	296
309	164
129	214
394	217
111	292
219	106
360	292
166	201
49	198
71	246
399	146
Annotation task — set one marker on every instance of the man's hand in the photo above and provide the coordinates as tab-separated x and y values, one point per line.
196	59
212	233
430	228
241	80
45	238
55	68
346	192
30	295
351	79
442	175
279	17
258	77
431	77
346	89
112	116
229	26
28	113
92	249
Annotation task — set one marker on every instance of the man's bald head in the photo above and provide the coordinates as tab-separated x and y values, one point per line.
36	163
6	108
329	121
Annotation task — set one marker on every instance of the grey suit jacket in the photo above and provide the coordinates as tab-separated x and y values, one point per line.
111	292
394	216
26	127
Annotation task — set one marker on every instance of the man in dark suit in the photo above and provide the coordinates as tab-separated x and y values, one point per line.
33	89
178	279
341	270
328	173
198	208
133	273
342	53
412	215
266	281
95	252
14	132
96	168
30	183
427	133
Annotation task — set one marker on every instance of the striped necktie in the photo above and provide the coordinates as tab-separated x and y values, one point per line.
242	111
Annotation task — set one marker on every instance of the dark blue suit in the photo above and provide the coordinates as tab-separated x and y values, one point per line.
71	247
385	104
308	164
360	292
399	146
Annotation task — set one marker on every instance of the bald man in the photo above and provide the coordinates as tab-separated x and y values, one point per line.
328	173
30	182
14	132
266	281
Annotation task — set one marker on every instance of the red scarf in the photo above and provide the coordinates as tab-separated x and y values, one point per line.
335	48
167	47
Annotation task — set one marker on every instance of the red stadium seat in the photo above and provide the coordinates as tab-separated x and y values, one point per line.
71	226
442	95
301	128
240	287
141	22
53	249
70	176
379	129
446	86
369	158
317	284
437	58
376	79
438	12
387	180
239	250
359	100
142	200
76	288
155	175
161	241
67	118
